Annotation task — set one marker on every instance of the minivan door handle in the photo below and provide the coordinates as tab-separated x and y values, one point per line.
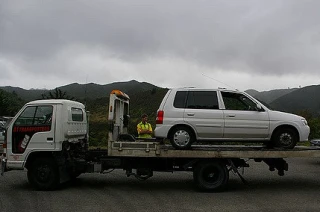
231	115
190	114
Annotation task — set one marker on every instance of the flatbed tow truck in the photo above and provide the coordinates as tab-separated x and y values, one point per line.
53	145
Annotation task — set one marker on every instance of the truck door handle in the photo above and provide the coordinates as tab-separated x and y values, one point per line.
190	114
231	115
50	139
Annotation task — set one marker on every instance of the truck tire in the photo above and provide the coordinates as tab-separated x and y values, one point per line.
74	174
43	174
285	138
182	138
211	175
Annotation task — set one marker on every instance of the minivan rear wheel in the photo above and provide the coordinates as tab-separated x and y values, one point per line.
182	138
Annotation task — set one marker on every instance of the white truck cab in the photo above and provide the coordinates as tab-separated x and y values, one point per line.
43	126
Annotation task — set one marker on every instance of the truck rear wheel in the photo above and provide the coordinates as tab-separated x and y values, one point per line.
211	175
43	174
74	174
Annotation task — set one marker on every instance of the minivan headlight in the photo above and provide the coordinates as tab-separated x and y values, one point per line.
304	121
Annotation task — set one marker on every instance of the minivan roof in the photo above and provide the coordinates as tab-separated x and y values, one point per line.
205	89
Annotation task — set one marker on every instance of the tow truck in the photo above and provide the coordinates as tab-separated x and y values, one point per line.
50	139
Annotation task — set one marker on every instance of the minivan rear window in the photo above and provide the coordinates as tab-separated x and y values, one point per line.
196	100
180	99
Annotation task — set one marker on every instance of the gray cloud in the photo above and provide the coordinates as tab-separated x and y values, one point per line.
60	38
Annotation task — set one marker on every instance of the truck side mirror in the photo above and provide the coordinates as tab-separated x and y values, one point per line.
3	131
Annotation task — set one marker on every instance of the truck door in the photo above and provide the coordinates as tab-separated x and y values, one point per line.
34	129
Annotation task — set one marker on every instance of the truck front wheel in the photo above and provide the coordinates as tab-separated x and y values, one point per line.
43	174
211	175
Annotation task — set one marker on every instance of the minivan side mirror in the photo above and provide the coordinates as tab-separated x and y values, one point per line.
259	108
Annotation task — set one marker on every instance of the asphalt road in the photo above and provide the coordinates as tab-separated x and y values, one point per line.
298	190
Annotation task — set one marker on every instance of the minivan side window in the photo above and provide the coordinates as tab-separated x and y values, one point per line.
202	100
237	101
180	99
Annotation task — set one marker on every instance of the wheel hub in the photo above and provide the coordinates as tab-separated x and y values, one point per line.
181	138
211	175
43	173
286	139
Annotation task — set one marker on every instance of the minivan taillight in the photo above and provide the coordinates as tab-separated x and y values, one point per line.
160	115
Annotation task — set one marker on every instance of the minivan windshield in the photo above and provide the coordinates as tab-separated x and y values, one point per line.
261	102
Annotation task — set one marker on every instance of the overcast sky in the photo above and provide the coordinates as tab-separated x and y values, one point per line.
239	44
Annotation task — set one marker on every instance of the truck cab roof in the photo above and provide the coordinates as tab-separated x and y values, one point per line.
55	101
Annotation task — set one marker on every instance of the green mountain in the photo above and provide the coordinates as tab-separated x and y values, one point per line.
306	98
27	95
10	103
269	96
83	91
252	92
146	102
93	91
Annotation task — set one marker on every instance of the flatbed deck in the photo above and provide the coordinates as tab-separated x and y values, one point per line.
154	149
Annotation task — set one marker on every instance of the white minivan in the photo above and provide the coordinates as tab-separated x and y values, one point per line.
187	115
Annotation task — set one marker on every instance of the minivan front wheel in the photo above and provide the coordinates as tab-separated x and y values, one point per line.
285	138
182	138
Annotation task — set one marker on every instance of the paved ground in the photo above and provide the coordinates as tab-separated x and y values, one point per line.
298	190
